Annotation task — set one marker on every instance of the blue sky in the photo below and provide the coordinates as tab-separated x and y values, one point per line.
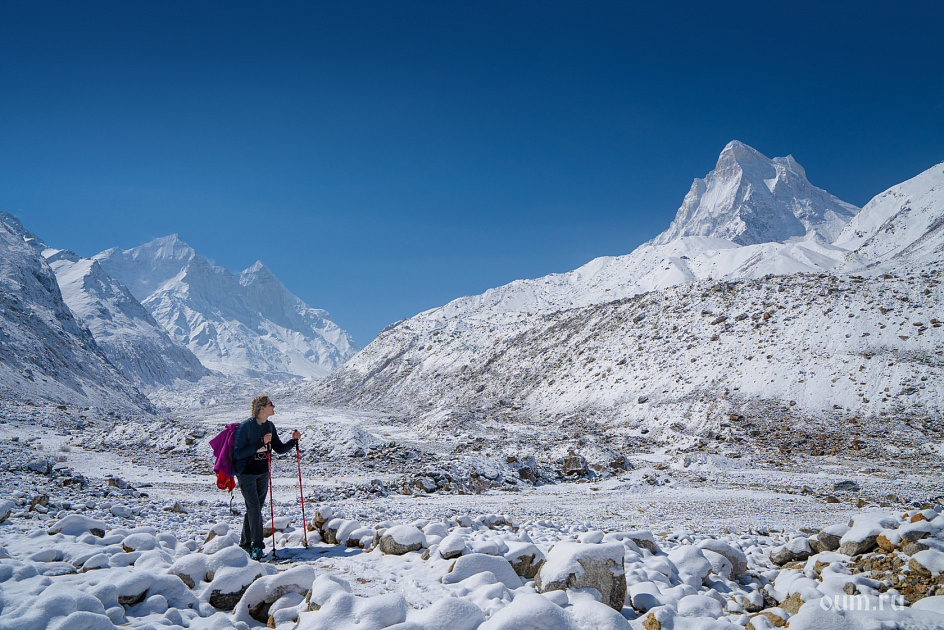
383	158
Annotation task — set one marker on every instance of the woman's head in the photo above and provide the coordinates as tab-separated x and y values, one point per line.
258	403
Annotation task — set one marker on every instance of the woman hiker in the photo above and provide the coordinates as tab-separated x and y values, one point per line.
255	438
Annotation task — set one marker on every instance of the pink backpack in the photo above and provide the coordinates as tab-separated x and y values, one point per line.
223	445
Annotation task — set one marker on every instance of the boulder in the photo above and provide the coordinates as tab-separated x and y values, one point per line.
651	623
792	604
401	539
323	588
856	547
191	569
230	584
76	525
525	559
795	549
259	596
928	563
41	466
690	562
913	548
720	565
280	524
830	538
864	531
452	546
121	511
425	484
6	508
574	464
329	530
476	563
776	620
644	540
217	530
577	565
323	514
827	541
339	531
176	508
736	557
226	601
139	542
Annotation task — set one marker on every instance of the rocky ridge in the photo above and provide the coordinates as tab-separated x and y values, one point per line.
677	365
45	353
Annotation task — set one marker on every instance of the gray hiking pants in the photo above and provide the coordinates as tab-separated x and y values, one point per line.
254	489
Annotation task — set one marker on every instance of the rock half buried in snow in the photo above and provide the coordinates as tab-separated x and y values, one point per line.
76	525
736	557
401	539
475	563
795	549
262	593
578	565
830	538
929	562
452	546
525	558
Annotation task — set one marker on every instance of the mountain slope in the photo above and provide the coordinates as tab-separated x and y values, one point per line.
131	339
905	221
800	345
44	352
248	324
789	327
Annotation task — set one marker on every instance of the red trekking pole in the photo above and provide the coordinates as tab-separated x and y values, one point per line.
301	493
271	507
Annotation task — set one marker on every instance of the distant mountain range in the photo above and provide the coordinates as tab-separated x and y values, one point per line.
154	316
751	239
236	324
130	337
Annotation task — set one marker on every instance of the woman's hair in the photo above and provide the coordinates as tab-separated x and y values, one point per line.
258	403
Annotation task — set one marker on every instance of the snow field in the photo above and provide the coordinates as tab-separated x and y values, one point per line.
483	572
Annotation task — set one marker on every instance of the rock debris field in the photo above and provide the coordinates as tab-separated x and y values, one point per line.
104	524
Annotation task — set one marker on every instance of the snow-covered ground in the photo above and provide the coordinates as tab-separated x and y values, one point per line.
676	540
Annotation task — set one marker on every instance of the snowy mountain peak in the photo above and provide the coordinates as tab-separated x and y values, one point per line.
738	153
238	324
15	227
168	247
750	199
258	272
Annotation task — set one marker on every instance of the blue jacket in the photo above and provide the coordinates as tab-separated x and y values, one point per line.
249	439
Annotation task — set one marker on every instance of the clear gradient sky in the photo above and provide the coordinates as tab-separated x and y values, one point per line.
383	158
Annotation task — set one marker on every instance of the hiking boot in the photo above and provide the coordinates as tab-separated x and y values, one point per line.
256	553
